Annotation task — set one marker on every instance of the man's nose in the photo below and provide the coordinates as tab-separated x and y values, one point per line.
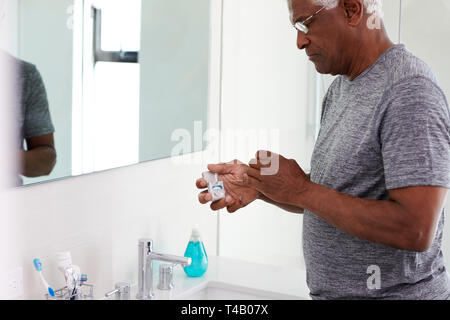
302	40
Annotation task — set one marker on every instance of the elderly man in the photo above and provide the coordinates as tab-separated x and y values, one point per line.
380	172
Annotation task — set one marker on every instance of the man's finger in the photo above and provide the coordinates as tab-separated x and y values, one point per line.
222	168
222	203
201	183
252	182
204	197
254	163
232	209
254	173
258	164
263	155
264	158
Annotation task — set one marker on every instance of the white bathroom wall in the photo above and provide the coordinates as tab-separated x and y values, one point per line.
265	91
100	217
9	232
9	27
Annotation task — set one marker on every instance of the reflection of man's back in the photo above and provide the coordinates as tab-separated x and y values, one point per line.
35	128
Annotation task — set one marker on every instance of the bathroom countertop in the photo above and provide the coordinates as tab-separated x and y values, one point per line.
286	282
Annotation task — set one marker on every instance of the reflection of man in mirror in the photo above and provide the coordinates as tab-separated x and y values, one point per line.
35	127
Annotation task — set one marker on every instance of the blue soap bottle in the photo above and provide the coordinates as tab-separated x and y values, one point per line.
196	251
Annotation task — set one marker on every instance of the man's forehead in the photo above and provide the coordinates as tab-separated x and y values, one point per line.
300	9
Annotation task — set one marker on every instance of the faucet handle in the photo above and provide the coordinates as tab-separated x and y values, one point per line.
146	243
122	291
166	277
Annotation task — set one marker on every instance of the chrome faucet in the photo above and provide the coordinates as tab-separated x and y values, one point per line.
145	271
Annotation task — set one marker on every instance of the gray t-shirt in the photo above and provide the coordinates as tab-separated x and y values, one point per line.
387	129
34	118
30	104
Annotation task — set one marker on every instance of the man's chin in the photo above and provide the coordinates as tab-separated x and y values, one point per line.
320	68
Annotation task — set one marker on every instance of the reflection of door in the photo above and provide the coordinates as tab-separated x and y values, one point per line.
106	118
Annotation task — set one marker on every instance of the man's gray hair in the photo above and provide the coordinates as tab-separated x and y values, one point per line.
372	6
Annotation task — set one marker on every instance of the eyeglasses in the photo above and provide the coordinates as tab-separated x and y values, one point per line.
300	25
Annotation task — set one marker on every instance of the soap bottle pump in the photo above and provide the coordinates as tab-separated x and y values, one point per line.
196	251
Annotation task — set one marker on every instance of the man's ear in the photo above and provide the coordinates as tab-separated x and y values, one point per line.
353	10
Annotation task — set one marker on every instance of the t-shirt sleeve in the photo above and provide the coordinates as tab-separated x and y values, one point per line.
37	120
415	135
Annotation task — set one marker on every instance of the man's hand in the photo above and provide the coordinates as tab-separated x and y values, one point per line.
283	184
238	195
40	159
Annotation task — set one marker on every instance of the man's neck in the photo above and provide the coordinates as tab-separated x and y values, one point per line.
367	54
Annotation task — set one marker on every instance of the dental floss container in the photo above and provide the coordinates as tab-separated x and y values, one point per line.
196	251
215	186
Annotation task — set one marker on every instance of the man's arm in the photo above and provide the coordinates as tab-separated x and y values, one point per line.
286	207
40	158
406	221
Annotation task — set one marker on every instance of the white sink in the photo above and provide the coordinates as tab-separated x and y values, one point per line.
231	279
214	290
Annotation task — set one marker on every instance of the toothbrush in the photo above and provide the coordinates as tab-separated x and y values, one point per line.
38	266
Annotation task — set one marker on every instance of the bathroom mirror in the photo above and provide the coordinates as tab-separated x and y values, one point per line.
122	77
